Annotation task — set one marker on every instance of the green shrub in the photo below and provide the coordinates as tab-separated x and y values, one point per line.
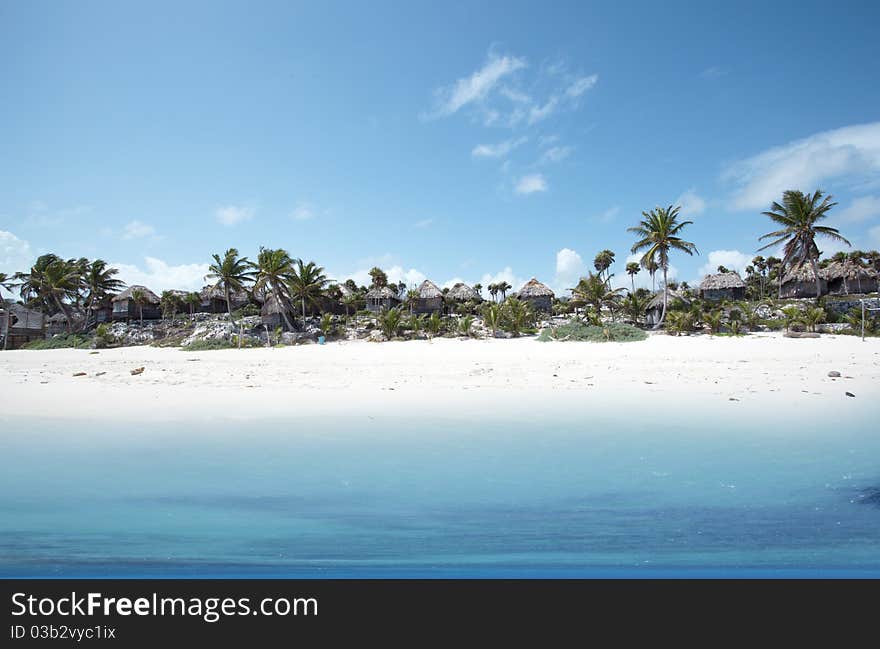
208	345
61	341
575	330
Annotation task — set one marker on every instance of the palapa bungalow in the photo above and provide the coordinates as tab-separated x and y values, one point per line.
380	298
537	294
19	325
124	307
57	323
847	278
654	310
722	286
272	310
213	300
430	299
800	281
461	292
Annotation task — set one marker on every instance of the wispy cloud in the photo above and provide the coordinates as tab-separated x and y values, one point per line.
477	86
692	204
547	140
302	212
713	72
424	223
555	154
851	153
610	214
542	112
531	184
861	209
137	230
498	150
233	215
581	85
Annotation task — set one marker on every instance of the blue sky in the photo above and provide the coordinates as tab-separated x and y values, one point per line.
456	140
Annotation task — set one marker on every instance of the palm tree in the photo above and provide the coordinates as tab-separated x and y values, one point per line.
412	297
307	284
479	289
169	302
493	291
658	234
798	215
635	304
516	315
272	271
139	298
378	277
390	321
602	262
632	269
50	283
230	274
596	292
492	317
503	287
651	266
760	265
5	283
99	282
192	300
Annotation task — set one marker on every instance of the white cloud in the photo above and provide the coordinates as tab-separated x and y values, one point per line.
861	209
569	269
851	152
556	154
15	253
714	72
477	86
874	236
505	275
692	204
515	95
581	85
159	276
232	215
497	150
547	140
730	259
530	184
137	230
424	223
538	113
302	212
610	214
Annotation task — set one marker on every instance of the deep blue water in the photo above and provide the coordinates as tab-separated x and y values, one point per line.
567	495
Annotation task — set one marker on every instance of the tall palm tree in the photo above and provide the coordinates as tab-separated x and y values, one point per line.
658	234
139	297
493	291
192	300
503	287
51	282
5	283
651	266
378	277
412	297
99	281
798	215
479	289
230	274
602	262
307	284
272	271
632	269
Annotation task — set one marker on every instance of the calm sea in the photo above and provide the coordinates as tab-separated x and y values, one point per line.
621	494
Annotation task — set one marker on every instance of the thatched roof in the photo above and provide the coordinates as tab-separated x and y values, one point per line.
847	270
344	291
381	293
534	288
178	293
656	302
462	293
800	273
718	281
151	297
428	290
271	305
216	293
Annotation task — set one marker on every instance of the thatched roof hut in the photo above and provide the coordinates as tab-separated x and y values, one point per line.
213	299
845	277
461	292
430	298
381	297
800	281
428	290
539	295
654	309
19	325
150	297
721	286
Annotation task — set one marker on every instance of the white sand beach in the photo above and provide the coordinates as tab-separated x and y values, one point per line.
447	377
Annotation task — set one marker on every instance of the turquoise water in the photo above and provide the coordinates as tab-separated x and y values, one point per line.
571	495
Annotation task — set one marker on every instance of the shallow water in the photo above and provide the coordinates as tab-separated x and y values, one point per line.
569	495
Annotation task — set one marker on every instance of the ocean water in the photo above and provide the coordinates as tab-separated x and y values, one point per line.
570	494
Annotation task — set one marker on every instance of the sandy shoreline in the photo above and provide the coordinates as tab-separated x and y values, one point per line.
464	377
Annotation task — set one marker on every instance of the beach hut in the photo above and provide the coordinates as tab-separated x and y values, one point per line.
654	310
800	281
124	307
722	286
57	323
461	292
380	298
539	295
430	299
19	325
213	299
271	312
847	278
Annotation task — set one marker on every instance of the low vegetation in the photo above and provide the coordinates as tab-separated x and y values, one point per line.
578	331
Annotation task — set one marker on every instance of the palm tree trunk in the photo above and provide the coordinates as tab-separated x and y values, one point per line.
632	280
665	300
816	274
229	304
63	308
